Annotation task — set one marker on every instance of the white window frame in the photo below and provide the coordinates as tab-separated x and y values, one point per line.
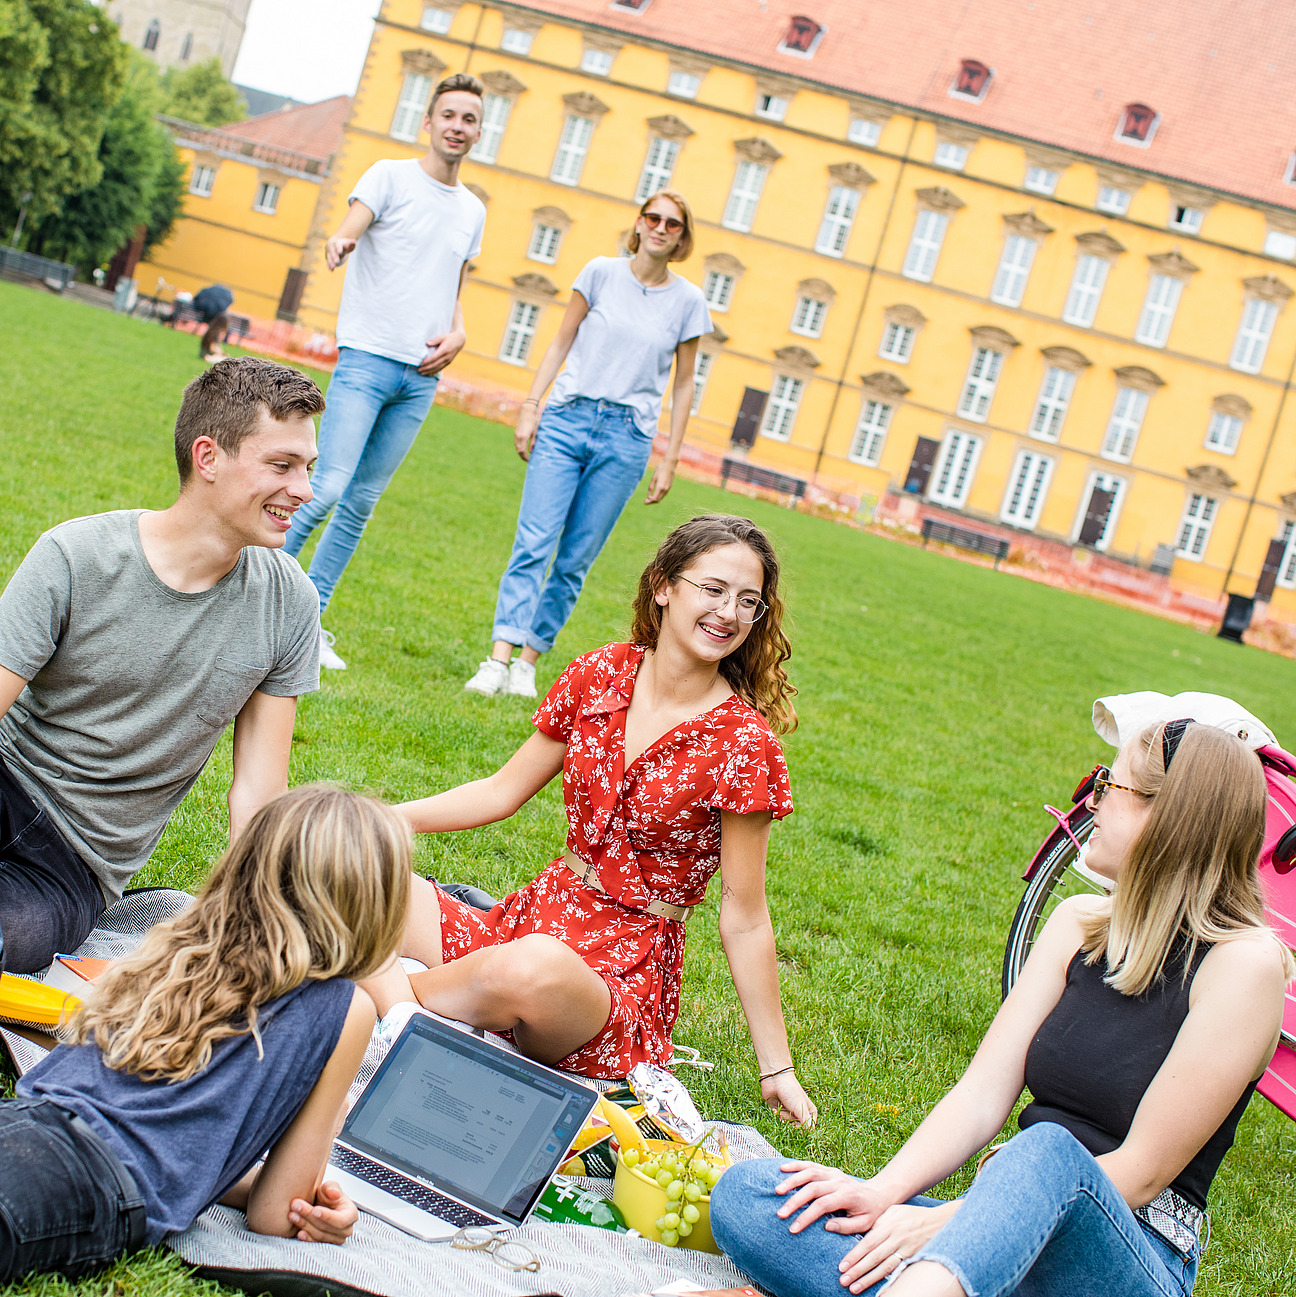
1287	564
495	116
702	364
411	107
1028	485
598	63
572	150
267	198
898	342
436	19
1014	270
838	221
517	41
1223	432
925	245
870	432
1156	319
1281	244
984	371
782	406
808	316
1195	526
1113	200
863	130
658	167
955	467
684	84
1188	219
544	244
202	180
1254	332
519	333
1051	405
1124	424
950	155
773	108
1041	180
718	288
1085	294
744	195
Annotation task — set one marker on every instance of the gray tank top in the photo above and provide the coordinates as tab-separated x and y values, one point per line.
186	1143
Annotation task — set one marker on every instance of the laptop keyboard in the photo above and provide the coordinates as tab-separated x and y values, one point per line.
401	1186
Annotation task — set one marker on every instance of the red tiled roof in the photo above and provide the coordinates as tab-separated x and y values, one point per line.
312	129
1218	72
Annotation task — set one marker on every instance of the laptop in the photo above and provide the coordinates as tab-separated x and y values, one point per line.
456	1130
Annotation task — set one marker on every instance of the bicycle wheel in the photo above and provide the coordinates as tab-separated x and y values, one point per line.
1061	873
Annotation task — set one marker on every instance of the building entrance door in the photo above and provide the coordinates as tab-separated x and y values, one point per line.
748	422
1097	512
920	466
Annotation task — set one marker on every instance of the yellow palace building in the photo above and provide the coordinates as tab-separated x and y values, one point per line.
1026	262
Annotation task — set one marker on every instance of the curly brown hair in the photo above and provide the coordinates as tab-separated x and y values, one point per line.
754	671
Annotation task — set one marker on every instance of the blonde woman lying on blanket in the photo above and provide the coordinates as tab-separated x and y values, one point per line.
235	1028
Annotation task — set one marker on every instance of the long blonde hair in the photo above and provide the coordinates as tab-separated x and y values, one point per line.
317	886
1191	872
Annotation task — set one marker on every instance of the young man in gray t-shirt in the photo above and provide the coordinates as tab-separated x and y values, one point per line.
130	640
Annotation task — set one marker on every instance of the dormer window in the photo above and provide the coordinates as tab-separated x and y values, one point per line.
1289	175
973	80
802	37
635	6
1138	124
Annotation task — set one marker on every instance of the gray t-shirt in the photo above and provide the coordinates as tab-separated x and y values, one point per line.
625	345
131	682
402	280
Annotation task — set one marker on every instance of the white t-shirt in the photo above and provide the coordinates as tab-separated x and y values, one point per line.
624	346
403	277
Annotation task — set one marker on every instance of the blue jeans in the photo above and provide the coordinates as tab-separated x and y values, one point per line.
588	458
375	409
66	1201
1041	1220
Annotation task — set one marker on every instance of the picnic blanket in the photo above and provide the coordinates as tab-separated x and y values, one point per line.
382	1261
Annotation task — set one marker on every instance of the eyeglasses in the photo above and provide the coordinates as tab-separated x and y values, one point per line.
654	219
512	1256
714	597
1102	781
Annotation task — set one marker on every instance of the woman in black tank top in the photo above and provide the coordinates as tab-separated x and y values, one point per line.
1140	1023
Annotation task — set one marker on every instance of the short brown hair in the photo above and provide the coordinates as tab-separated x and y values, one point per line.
225	404
464	81
684	248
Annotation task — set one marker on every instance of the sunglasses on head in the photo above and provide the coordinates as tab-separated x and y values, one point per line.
673	224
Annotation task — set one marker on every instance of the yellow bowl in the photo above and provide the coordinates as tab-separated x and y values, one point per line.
642	1201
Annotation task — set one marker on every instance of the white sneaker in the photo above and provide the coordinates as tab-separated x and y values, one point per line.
329	660
521	679
491	678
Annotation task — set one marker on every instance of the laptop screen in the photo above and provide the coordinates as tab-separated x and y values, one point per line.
468	1117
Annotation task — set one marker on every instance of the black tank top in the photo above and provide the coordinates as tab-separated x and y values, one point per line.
1096	1054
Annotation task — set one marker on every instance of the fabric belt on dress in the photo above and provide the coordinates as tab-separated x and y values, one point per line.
588	874
1177	1221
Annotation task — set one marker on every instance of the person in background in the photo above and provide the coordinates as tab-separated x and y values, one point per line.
628	320
410	230
235	1028
1140	1024
212	301
209	346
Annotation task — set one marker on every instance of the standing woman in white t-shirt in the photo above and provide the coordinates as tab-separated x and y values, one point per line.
627	321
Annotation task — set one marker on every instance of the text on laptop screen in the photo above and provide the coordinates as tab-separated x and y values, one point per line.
464	1116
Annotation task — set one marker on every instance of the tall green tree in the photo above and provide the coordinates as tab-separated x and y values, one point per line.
202	94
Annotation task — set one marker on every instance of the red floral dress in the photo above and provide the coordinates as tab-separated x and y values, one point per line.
652	831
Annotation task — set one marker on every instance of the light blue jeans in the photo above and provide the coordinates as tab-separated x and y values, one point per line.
375	409
587	460
1041	1220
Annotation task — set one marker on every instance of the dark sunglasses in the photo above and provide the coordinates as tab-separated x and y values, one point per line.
654	219
1102	783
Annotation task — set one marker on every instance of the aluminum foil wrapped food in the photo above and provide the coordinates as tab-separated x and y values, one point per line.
666	1099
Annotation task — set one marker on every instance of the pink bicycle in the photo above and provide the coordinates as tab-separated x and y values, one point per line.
1058	871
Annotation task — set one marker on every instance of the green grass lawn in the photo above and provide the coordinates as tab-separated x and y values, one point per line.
941	704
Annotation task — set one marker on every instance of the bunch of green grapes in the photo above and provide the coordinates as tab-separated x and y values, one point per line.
687	1176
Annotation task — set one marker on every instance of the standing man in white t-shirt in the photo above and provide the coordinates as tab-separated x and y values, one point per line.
413	228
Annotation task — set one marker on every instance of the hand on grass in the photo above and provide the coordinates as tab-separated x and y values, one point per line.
816	1191
441	351
900	1232
330	1219
784	1093
524	431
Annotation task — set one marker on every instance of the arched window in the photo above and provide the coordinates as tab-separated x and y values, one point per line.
972	81
186	47
151	34
1138	124
802	37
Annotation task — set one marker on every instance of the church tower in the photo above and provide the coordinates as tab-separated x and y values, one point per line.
180	33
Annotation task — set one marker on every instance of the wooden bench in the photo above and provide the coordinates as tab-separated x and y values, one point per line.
948	533
766	479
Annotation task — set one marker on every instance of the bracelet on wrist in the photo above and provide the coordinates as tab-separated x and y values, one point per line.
765	1076
532	400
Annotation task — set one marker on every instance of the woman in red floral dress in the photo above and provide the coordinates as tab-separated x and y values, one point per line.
671	770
